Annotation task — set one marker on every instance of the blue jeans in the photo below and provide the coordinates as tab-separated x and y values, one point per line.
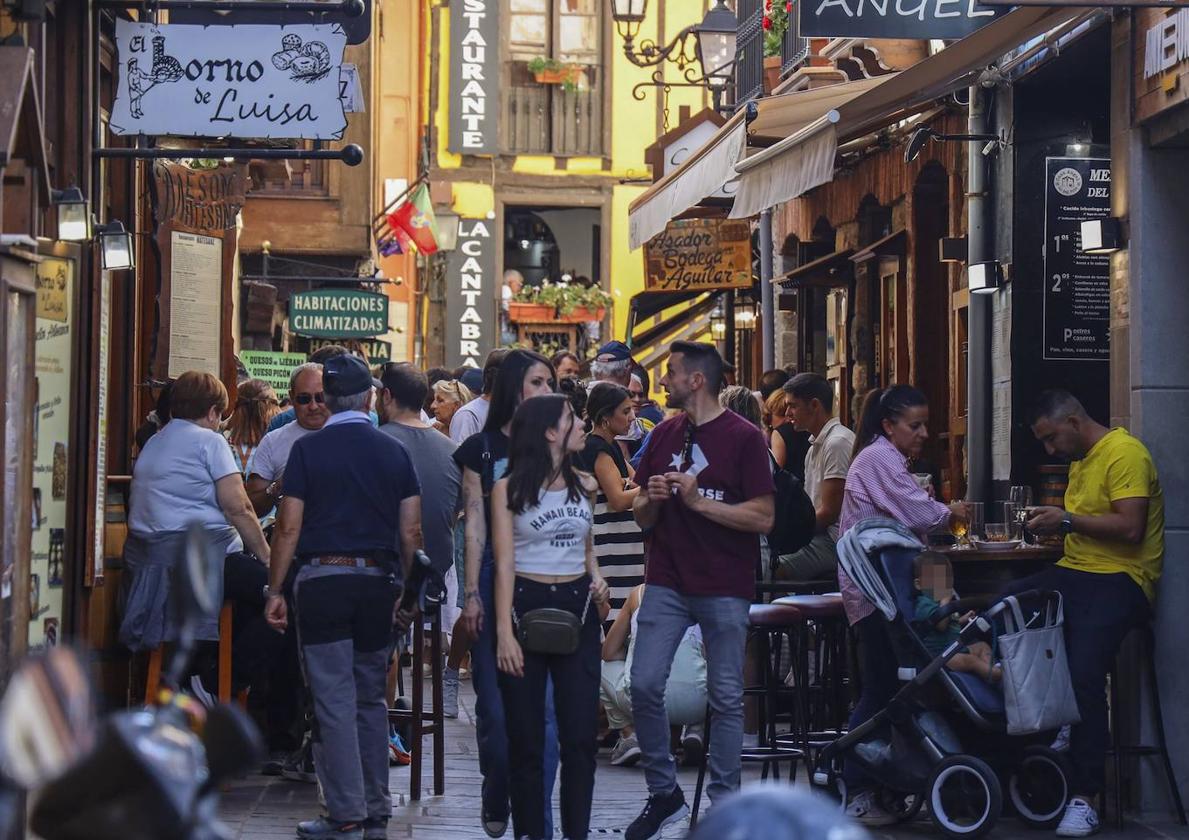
663	618
491	731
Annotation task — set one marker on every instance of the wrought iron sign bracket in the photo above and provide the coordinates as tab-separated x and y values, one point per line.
350	8
351	154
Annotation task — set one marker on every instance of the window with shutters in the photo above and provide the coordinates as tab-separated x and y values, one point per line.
553	77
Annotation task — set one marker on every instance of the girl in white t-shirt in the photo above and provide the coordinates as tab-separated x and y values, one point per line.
544	558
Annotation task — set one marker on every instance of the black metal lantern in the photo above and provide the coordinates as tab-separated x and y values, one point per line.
115	245
74	215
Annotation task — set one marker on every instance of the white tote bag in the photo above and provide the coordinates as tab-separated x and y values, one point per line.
1037	690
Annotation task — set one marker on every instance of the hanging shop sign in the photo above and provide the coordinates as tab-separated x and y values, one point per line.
698	254
51	442
272	367
943	19
338	313
474	76
241	81
470	294
1077	292
205	199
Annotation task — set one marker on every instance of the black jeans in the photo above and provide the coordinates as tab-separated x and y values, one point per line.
878	683
1100	610
576	701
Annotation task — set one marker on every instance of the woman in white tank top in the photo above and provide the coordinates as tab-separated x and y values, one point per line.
544	559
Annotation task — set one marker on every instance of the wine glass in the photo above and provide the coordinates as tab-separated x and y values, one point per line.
1021	497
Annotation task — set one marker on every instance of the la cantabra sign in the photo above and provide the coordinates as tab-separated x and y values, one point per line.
229	81
338	313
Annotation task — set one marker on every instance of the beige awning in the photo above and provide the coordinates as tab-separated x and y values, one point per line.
710	168
805	159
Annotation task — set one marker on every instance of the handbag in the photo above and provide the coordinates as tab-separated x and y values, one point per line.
549	630
1037	689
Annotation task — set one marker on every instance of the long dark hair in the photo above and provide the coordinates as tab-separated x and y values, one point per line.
604	398
882	404
509	385
530	463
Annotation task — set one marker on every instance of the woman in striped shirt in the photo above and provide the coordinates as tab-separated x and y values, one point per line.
893	429
618	541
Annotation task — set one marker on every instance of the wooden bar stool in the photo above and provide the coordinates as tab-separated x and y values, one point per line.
153	682
825	631
421	722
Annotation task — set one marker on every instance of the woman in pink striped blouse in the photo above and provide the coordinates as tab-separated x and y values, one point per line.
893	428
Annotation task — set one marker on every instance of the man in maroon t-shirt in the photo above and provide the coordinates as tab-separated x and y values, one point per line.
708	496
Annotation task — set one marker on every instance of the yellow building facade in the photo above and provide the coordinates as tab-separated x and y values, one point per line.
537	140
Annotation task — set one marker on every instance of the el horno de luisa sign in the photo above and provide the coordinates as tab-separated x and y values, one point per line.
237	81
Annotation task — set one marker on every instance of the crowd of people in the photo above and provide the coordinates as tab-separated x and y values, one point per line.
601	554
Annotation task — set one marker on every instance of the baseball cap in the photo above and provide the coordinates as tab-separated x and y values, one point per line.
614	351
345	376
473	379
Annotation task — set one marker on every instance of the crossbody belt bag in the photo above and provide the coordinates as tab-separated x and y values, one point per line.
549	630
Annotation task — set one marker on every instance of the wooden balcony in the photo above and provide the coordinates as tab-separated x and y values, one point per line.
550	120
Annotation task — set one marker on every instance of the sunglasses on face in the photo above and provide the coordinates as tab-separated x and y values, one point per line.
306	399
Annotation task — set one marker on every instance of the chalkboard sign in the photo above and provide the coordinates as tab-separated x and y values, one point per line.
1077	290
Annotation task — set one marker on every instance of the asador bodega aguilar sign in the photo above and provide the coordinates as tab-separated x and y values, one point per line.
229	81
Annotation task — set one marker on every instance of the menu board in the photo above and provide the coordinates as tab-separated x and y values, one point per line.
195	301
1077	290
51	436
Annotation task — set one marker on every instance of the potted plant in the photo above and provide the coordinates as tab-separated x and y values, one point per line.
567	303
550	71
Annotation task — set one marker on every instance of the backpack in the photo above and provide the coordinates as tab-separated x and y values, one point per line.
796	518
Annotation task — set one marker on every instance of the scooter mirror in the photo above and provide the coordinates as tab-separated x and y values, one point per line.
47	718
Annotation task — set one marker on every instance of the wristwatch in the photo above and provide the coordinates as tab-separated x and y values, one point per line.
1066	525
268	593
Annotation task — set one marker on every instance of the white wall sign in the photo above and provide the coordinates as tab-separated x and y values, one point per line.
1166	44
229	81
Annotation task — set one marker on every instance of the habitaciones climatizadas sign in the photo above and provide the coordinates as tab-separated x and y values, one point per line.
229	81
338	313
918	19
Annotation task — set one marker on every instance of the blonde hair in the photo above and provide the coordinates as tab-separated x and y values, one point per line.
255	405
777	403
453	389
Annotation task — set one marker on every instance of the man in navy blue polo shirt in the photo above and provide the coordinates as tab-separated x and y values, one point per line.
349	491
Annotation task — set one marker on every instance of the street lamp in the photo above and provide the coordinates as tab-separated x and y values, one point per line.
710	45
115	244
984	278
718	323
74	214
447	230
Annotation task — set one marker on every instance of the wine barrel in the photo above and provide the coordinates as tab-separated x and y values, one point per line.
1054	479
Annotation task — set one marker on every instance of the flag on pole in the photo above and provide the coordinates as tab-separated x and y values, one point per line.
416	220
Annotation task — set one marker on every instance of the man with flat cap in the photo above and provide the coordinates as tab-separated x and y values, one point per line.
351	515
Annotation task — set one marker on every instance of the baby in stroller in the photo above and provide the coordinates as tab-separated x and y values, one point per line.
941	738
937	623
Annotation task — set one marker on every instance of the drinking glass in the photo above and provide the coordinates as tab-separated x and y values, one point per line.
1021	496
975	530
1013	519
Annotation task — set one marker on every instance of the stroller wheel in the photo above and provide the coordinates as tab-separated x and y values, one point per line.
1038	787
905	806
965	798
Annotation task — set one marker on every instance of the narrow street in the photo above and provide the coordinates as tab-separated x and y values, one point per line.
262	808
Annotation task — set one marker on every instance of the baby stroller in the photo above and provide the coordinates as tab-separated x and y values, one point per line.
942	739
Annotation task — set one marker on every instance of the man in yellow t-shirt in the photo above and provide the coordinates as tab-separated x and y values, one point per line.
1113	523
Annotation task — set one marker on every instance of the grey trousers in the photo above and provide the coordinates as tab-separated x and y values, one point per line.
816	561
344	626
663	618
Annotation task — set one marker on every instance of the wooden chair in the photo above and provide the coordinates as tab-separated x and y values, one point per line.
154	676
422	723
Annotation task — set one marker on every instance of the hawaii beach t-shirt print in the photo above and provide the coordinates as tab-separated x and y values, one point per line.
244	81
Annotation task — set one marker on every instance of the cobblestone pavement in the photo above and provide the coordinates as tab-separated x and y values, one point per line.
266	808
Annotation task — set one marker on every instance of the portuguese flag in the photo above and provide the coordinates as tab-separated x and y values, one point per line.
416	221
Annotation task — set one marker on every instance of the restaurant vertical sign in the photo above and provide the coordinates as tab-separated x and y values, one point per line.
474	76
470	294
1077	286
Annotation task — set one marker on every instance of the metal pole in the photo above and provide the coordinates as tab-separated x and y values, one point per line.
978	375
767	302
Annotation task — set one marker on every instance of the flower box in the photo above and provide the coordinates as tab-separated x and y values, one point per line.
582	314
521	312
570	74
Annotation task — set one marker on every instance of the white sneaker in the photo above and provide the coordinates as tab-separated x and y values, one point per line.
450	693
1080	820
1061	742
865	808
626	752
201	694
751	740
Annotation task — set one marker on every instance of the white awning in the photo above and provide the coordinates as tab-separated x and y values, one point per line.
713	165
805	159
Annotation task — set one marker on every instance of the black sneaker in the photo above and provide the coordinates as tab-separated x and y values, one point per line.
494	827
375	828
662	809
299	767
324	828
